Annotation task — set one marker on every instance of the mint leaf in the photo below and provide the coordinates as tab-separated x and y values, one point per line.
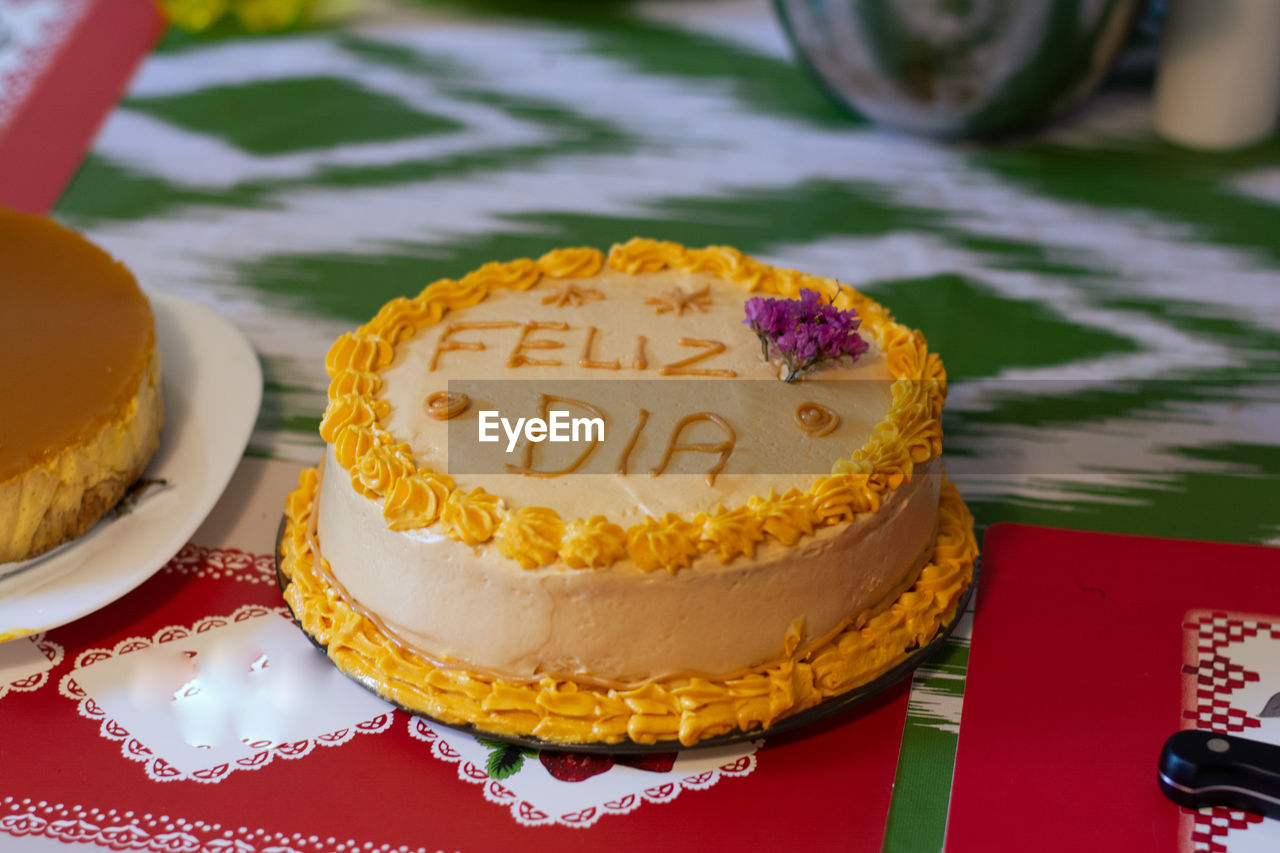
504	760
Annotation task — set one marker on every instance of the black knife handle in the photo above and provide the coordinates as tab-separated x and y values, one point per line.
1199	768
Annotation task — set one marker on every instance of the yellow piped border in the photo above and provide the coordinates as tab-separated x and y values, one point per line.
681	708
382	469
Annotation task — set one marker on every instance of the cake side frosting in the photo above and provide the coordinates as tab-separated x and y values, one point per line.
681	706
468	604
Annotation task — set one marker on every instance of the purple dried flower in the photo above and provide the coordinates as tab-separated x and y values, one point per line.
804	332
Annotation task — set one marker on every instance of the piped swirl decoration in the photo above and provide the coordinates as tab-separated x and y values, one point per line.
685	707
816	419
447	405
354	420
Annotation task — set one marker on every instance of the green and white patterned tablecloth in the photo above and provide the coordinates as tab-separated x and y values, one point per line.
1108	306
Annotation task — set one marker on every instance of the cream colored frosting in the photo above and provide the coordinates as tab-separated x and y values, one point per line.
767	438
621	621
470	604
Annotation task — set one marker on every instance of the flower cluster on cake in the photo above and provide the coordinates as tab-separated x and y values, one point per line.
733	550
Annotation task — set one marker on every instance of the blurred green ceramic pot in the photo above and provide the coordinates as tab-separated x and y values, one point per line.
958	67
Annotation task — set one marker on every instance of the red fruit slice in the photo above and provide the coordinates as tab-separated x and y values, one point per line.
574	766
655	762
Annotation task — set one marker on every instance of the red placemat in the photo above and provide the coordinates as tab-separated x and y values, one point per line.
1088	651
193	715
63	65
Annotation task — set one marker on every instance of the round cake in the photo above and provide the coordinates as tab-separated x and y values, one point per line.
81	375
760	522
